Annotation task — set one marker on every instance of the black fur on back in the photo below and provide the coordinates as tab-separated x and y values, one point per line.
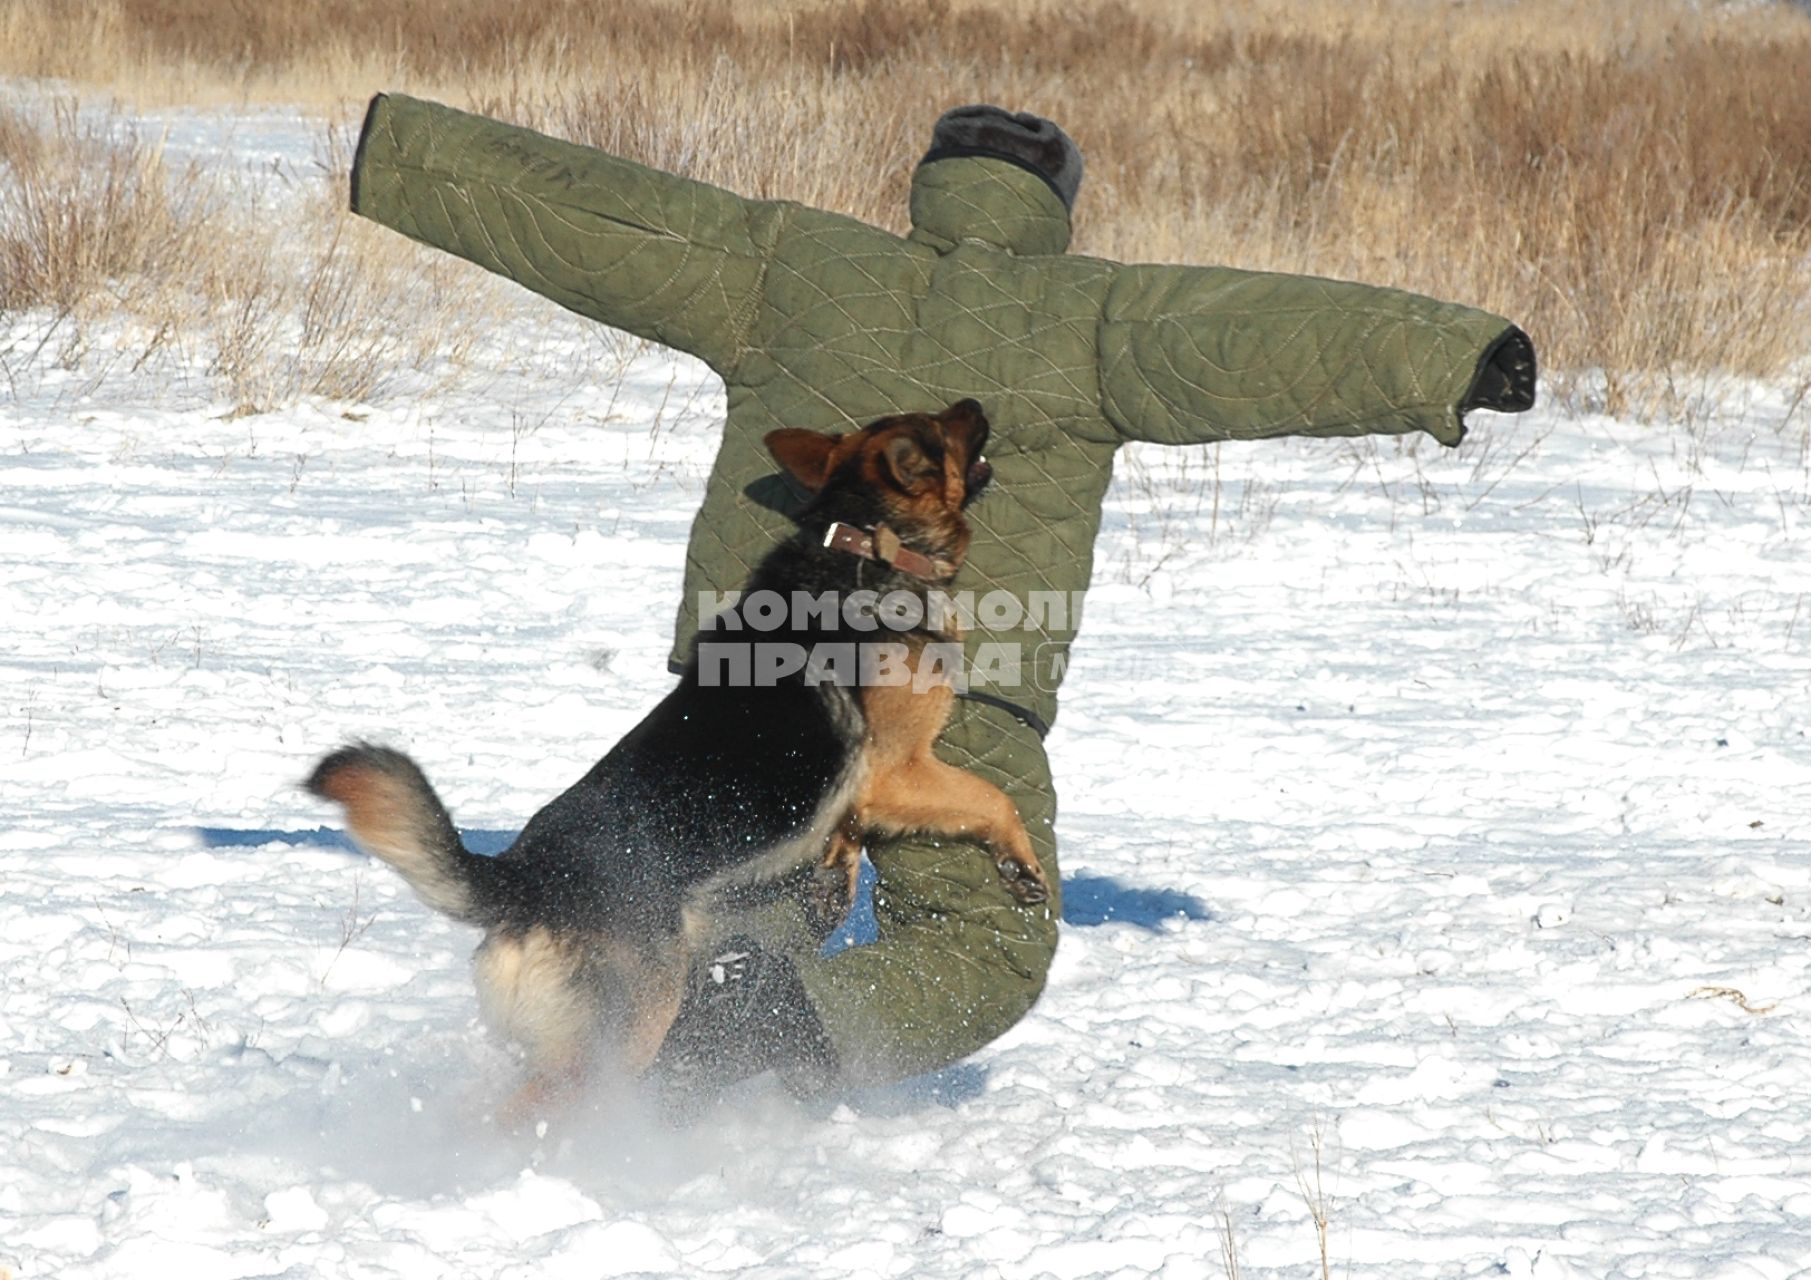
716	774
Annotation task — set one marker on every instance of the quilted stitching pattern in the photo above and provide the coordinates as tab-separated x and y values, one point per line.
677	261
990	201
816	320
959	959
1263	355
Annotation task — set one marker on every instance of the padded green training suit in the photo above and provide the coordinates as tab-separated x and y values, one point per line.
816	320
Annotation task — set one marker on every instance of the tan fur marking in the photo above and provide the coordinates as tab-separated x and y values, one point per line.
575	1002
529	992
907	789
388	818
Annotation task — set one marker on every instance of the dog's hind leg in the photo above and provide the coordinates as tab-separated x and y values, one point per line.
533	990
652	985
576	1003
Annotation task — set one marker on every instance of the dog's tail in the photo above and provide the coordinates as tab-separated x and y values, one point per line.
394	814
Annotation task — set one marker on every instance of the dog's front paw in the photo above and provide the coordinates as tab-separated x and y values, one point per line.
1024	879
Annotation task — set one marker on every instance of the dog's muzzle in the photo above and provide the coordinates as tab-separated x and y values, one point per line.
980	475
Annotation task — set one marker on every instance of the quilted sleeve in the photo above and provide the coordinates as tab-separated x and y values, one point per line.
669	259
1194	354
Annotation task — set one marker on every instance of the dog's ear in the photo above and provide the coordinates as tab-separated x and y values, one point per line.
966	413
805	454
907	460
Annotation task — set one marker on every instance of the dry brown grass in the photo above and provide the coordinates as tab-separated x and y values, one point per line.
1630	179
87	211
137	260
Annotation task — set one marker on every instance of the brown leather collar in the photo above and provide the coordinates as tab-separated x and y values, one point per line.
884	545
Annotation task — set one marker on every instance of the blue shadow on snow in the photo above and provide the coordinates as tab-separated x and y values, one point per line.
1088	899
485	842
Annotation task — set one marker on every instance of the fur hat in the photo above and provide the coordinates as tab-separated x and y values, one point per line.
1029	141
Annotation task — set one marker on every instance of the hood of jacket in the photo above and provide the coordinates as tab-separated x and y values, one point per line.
993	201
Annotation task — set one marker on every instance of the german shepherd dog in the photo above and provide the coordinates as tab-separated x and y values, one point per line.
754	771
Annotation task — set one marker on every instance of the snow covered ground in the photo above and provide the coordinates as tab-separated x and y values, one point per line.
1445	811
